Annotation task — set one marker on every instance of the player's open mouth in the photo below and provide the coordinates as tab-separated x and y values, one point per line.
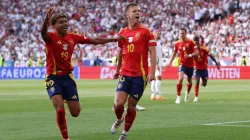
137	17
65	28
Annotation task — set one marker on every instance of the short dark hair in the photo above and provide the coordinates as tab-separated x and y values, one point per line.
56	16
130	5
201	37
184	29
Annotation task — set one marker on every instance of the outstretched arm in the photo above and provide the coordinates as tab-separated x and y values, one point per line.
99	40
197	51
45	25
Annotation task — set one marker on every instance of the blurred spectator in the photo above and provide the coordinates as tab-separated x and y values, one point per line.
225	24
97	61
41	61
1	60
114	60
243	61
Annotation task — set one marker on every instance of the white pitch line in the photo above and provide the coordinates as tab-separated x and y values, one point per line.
223	123
234	125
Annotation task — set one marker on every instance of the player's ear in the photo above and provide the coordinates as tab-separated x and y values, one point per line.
54	27
126	16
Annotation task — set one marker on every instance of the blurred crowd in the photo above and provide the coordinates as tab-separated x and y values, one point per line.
225	25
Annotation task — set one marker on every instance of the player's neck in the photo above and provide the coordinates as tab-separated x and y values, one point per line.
60	34
132	25
184	39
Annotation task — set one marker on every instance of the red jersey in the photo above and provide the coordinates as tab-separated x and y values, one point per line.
185	47
135	50
200	61
59	52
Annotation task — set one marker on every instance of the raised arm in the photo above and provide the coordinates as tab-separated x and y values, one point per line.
99	40
195	53
46	23
119	63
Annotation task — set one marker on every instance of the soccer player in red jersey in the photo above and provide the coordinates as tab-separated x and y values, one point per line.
200	66
187	50
132	68
60	82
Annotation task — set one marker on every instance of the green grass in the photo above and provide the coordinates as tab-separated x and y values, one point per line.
26	113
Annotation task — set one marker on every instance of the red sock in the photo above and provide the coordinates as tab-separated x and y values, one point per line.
129	119
178	88
196	90
61	122
189	86
119	111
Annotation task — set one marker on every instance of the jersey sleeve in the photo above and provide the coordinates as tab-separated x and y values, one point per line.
193	45
175	48
81	39
119	44
150	38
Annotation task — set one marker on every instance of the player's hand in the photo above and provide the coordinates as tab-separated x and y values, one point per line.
218	66
169	65
116	75
150	77
186	55
49	12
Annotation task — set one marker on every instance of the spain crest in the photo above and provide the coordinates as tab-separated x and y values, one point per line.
65	47
137	36
130	39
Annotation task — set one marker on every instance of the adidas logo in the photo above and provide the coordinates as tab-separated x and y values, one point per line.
74	97
136	95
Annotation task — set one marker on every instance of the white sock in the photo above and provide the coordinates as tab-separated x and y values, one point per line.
153	87
124	132
158	87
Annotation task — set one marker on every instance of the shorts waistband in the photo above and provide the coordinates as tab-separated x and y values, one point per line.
61	73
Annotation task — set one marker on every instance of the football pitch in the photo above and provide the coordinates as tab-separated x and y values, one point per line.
222	113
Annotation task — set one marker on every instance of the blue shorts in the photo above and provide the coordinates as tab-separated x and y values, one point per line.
134	86
203	74
188	71
64	85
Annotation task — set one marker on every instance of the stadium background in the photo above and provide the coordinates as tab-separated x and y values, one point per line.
222	112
